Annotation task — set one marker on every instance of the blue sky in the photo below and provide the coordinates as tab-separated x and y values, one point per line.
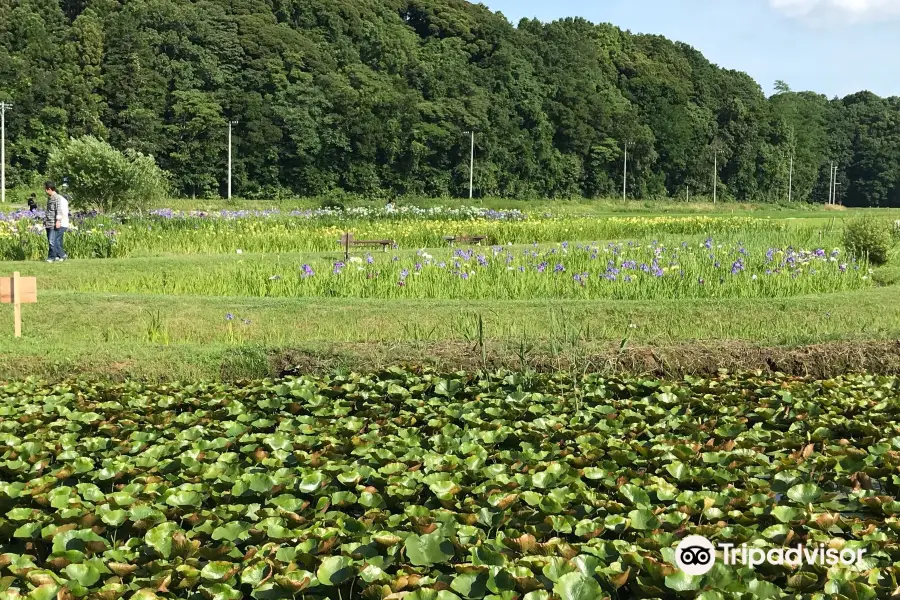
834	47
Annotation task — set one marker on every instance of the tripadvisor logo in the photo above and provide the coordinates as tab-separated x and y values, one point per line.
696	555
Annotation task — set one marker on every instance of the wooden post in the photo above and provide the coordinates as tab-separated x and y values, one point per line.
18	290
17	306
347	247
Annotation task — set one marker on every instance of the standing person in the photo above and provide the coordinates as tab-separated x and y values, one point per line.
32	203
62	217
56	220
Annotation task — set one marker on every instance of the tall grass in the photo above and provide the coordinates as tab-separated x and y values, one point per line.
699	268
101	237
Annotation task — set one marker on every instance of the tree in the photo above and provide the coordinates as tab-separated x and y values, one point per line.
102	178
373	96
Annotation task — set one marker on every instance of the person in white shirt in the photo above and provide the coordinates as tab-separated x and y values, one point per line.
56	221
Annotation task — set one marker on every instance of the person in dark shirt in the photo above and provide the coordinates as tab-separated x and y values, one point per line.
32	203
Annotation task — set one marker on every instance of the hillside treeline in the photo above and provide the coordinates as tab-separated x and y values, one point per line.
374	96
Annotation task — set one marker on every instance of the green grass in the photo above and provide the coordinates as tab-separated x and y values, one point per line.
580	206
509	273
189	338
106	238
602	206
164	316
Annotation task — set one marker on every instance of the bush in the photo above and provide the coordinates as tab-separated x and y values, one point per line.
334	199
102	178
869	238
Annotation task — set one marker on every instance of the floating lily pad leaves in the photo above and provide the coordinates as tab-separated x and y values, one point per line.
335	570
429	549
84	575
160	538
451	388
805	494
577	586
423	486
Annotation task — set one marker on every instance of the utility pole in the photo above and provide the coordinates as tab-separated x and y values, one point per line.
791	178
471	163
715	174
230	123
472	166
4	106
625	175
833	184
830	176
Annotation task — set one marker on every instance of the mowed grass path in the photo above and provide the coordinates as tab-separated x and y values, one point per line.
184	337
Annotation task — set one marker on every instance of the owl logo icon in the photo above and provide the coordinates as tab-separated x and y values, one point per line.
695	555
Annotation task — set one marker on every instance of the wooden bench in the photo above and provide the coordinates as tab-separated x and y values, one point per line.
347	240
465	239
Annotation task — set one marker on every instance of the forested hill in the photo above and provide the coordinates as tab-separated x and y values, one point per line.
374	97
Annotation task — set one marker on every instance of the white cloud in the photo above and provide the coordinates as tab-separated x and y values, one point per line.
839	10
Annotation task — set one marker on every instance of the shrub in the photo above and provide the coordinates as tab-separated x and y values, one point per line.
106	179
334	199
869	237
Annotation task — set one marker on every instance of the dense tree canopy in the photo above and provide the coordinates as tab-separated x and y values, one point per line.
374	97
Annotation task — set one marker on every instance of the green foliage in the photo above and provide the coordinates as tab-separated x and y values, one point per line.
509	488
105	179
869	238
473	274
373	98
